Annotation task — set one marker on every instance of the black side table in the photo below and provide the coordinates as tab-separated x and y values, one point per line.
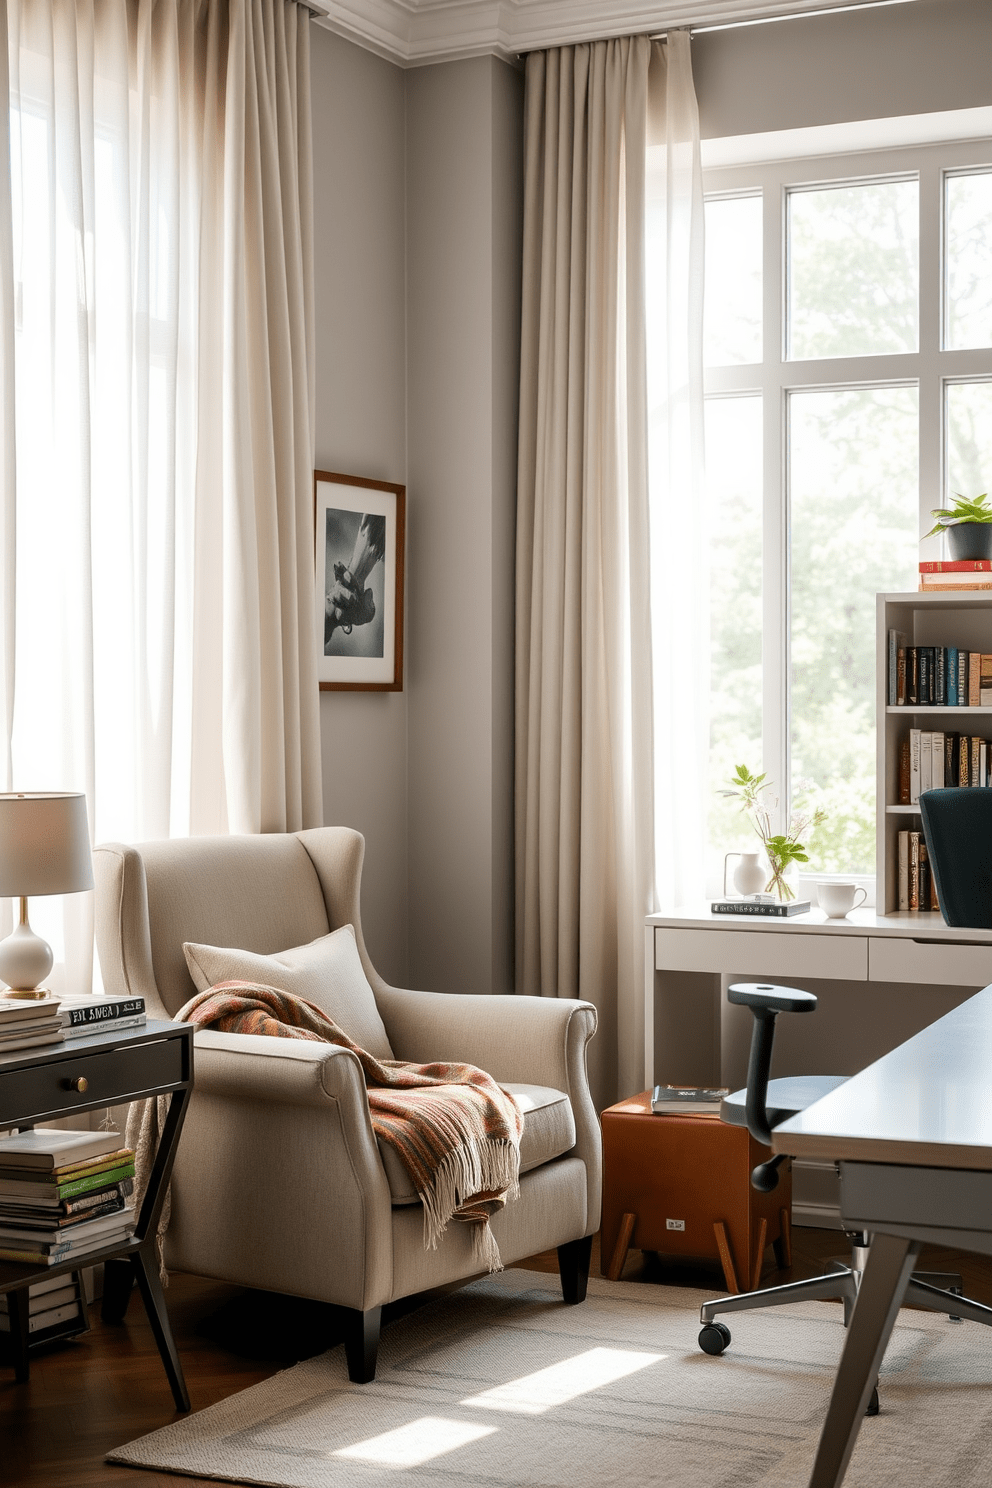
86	1074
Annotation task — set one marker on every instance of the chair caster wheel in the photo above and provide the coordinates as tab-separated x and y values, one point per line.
873	1403
714	1338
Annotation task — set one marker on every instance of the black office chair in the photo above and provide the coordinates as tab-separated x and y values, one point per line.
765	1104
957	824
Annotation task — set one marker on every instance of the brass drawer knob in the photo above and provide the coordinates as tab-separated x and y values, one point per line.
79	1083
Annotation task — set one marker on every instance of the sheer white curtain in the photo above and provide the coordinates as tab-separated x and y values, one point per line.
679	592
158	647
583	654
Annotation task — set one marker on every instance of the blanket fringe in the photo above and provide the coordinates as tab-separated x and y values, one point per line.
481	1170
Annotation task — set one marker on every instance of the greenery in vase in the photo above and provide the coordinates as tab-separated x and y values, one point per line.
783	849
965	509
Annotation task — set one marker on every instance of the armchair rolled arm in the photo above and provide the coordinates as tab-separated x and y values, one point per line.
297	1072
517	1040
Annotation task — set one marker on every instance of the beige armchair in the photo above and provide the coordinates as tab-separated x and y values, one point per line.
279	1182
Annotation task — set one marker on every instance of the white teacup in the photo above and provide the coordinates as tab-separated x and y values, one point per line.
838	899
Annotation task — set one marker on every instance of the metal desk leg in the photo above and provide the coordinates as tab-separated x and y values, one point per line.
890	1264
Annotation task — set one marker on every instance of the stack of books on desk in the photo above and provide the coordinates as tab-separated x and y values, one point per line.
26	1023
81	1015
56	1309
63	1193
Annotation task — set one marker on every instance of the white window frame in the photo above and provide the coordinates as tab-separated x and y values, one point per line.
774	378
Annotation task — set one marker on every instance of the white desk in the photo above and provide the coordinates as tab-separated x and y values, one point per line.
880	978
864	947
913	1136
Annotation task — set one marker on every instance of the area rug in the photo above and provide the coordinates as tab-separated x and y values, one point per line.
500	1384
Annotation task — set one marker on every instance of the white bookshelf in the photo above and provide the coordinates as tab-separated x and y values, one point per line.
932	619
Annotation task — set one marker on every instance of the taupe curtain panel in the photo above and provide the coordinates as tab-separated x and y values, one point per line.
156	519
583	783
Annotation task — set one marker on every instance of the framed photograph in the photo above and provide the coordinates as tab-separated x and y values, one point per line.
359	530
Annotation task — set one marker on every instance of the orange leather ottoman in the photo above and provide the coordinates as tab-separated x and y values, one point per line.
681	1185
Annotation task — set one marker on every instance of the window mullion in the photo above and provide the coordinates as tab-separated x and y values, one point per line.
931	316
775	585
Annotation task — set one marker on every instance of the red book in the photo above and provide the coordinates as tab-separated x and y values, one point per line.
958	565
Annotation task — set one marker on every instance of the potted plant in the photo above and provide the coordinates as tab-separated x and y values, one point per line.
968	524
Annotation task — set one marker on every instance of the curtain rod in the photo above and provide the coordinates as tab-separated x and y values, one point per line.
770	20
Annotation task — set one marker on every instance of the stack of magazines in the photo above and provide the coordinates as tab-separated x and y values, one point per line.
56	1309
63	1193
29	1023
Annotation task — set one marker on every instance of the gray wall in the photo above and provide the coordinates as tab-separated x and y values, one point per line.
463	247
358	110
878	63
418	194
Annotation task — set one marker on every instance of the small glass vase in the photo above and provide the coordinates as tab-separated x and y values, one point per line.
778	884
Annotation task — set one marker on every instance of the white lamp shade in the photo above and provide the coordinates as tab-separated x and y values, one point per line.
44	844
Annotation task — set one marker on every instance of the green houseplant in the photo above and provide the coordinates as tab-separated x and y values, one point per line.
968	524
783	848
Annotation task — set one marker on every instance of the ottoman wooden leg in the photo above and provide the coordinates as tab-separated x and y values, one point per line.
619	1257
783	1245
759	1255
726	1259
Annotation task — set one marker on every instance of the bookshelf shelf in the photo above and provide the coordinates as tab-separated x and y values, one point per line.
960	618
938	710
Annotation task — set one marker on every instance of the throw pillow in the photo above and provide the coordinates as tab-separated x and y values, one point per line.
327	972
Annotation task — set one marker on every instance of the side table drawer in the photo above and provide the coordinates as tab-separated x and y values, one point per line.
48	1090
941	964
756	953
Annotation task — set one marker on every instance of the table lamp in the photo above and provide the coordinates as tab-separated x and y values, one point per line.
44	849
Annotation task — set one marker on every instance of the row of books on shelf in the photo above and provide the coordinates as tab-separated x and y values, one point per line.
959	573
63	1193
30	1024
930	759
915	887
937	676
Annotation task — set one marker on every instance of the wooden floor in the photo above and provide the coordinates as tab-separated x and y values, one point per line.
108	1387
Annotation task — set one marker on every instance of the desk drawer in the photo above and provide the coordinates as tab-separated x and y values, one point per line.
753	953
46	1090
937	963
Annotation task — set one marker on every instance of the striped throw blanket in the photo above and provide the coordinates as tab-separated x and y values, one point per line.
456	1132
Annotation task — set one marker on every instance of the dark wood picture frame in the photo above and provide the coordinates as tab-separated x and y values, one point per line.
360	636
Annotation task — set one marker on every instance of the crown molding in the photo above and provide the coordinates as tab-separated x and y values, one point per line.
414	33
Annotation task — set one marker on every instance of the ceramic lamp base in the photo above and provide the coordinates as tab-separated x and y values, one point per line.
25	960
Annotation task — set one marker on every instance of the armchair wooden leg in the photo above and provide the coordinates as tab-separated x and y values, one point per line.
573	1268
759	1255
361	1343
118	1280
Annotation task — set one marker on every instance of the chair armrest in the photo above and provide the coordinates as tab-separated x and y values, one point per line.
524	1040
297	1072
281	1126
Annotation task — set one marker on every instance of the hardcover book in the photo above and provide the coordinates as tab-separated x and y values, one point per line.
671	1100
760	907
51	1147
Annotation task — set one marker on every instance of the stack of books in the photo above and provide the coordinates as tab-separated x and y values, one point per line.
687	1100
63	1193
966	573
55	1309
27	1024
81	1015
